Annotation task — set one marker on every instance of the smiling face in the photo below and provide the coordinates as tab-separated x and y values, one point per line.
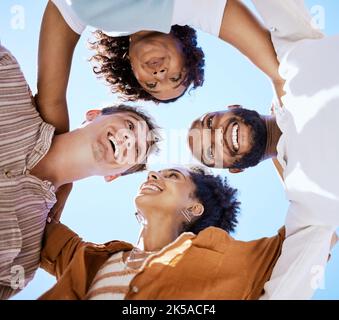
117	141
235	138
158	64
168	192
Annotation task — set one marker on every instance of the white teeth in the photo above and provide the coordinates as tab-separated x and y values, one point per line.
235	142
117	151
151	187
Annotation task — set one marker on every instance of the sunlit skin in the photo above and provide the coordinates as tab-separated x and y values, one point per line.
213	148
119	140
158	64
160	202
89	151
211	138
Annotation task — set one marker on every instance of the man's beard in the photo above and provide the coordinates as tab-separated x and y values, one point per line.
258	130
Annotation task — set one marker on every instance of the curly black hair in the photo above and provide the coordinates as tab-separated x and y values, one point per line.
221	206
113	65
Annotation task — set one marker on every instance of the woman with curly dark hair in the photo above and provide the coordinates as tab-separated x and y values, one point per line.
184	250
150	65
145	49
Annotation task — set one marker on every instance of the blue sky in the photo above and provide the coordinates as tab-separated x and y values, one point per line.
101	212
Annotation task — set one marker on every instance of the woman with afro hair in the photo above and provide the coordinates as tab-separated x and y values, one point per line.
184	251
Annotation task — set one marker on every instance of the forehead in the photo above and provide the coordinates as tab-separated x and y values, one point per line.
128	115
181	170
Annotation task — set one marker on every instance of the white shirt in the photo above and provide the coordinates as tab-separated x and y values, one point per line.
204	15
308	148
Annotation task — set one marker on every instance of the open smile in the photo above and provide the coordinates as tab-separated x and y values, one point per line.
232	136
115	145
231	131
151	187
235	136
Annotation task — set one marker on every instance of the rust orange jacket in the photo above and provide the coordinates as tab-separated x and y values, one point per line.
210	265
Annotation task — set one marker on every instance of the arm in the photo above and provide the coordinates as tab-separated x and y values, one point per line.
56	47
289	22
305	252
301	266
279	169
242	29
62	195
59	247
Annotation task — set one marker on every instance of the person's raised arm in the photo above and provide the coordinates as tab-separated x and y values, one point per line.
243	30
58	248
56	47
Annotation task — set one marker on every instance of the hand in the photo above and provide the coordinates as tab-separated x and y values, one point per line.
62	195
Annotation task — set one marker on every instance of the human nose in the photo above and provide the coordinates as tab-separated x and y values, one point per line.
158	67
161	74
152	175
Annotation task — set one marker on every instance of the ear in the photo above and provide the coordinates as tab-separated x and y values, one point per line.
92	114
197	209
111	178
234	106
235	170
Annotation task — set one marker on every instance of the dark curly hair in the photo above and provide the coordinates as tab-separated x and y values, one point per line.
221	206
112	63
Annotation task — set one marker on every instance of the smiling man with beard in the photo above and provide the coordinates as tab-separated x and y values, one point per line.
34	163
302	135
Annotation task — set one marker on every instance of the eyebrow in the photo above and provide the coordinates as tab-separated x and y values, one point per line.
177	171
137	144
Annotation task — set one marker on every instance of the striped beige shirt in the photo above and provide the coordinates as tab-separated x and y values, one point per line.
24	199
112	280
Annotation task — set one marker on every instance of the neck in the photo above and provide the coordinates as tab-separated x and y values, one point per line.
273	136
61	164
157	234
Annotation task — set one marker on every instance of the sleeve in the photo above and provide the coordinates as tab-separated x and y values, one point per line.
7	292
301	266
59	247
289	21
205	15
69	15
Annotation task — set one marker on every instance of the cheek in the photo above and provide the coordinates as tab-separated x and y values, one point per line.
141	75
173	199
135	69
177	56
228	160
177	61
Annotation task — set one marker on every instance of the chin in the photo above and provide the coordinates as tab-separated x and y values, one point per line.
142	200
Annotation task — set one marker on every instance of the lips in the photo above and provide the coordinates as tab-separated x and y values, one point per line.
231	137
235	136
116	147
151	187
